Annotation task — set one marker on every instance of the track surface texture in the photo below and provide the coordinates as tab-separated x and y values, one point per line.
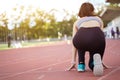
50	62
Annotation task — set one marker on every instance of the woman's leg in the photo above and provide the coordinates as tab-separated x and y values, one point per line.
91	62
81	56
81	61
97	47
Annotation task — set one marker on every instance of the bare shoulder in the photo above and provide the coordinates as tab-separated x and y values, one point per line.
98	18
77	21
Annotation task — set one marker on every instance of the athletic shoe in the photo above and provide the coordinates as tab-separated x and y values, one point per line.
81	67
98	67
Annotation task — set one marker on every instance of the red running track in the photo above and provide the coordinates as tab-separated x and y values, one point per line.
50	62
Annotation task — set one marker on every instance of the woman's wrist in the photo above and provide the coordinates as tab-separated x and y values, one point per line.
73	62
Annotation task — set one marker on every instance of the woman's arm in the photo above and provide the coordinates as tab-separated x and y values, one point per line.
74	50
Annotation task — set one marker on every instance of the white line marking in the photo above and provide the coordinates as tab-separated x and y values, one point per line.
23	60
110	73
49	69
50	65
11	62
38	72
41	77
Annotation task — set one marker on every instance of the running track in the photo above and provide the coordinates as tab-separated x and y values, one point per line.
49	62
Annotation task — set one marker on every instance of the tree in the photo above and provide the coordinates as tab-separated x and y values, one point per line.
3	27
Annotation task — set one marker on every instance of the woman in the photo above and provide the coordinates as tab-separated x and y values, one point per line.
117	32
88	36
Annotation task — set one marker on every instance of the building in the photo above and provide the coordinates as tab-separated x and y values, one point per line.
111	15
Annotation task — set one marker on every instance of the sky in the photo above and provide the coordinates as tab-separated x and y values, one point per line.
72	6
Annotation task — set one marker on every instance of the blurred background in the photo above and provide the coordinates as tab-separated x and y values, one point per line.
51	20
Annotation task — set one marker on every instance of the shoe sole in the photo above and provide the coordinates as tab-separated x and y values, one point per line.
98	67
81	70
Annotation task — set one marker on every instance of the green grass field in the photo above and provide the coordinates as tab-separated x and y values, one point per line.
4	46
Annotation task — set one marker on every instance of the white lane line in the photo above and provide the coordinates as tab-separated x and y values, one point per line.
52	71
50	65
37	72
23	60
109	74
49	69
11	62
41	77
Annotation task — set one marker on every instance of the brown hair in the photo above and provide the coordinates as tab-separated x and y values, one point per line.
86	9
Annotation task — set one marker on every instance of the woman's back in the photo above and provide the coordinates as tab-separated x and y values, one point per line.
89	22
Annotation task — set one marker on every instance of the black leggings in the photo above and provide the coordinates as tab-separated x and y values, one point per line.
89	39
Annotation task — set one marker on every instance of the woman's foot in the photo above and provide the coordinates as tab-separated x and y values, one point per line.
81	67
98	67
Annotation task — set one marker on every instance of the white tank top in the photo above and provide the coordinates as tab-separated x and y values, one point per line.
85	19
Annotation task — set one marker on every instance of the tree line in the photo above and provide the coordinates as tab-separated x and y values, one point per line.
34	24
26	23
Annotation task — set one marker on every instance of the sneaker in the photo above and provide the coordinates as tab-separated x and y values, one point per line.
98	67
81	67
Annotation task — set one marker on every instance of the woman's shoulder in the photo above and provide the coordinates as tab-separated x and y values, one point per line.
77	21
98	17
89	17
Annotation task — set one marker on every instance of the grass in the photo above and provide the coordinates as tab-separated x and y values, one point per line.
4	46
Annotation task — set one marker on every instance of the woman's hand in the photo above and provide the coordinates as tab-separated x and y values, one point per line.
105	67
72	66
